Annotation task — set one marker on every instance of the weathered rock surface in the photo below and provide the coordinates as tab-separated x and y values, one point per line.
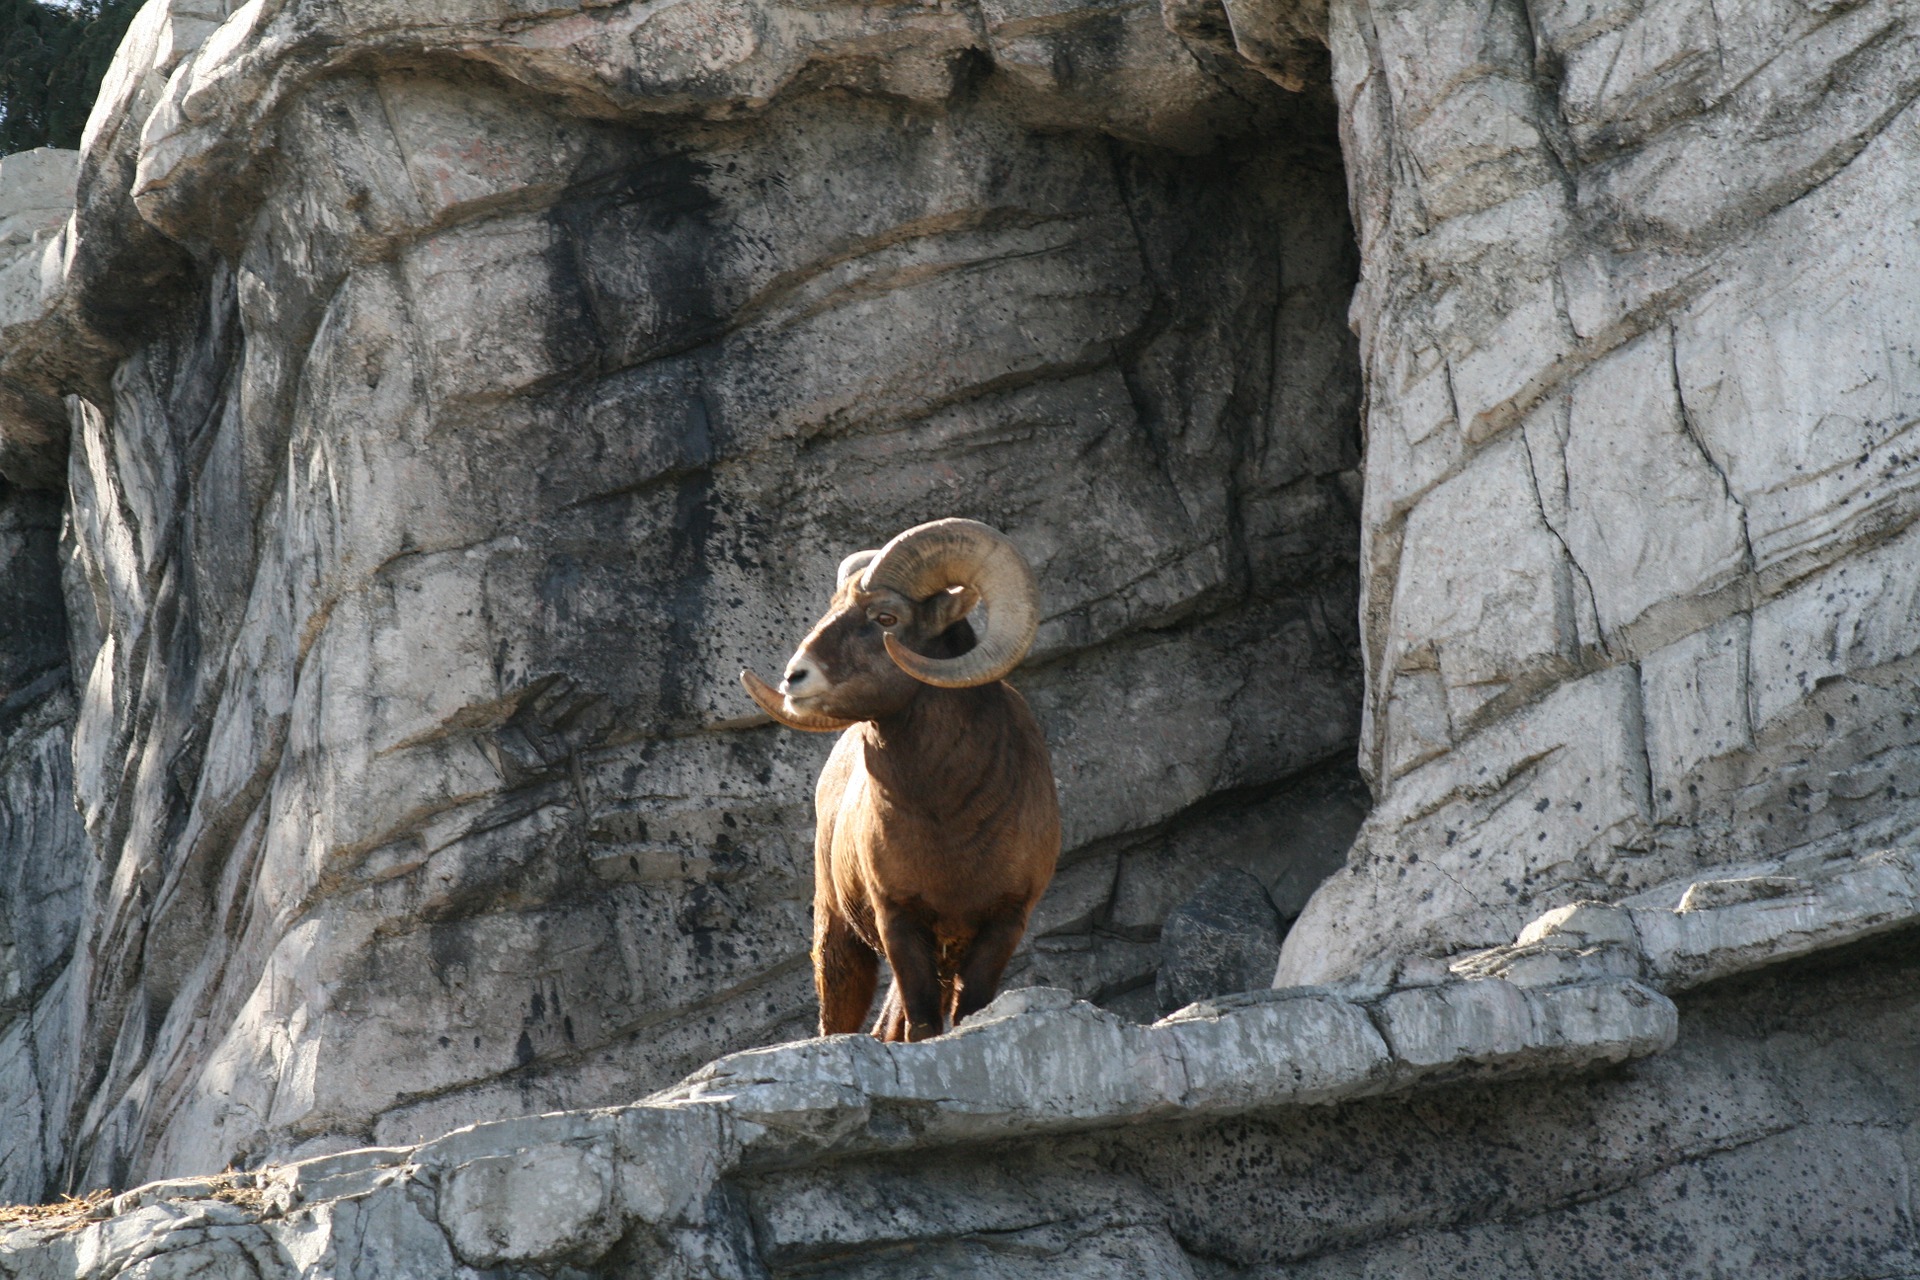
1097	932
458	401
652	1179
1637	325
43	862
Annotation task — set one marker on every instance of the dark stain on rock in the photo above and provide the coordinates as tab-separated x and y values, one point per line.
629	264
688	551
448	948
559	585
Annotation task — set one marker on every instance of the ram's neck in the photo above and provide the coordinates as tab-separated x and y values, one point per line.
945	748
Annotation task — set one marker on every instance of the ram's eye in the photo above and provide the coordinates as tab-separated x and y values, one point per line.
885	619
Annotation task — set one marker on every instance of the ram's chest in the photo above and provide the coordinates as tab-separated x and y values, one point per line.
887	848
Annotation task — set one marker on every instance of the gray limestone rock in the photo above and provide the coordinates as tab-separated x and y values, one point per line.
1636	327
1409	1130
43	855
410	422
1225	938
778	1159
1027	1143
1098	930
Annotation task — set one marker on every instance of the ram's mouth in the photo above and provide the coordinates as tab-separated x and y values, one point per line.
783	708
809	701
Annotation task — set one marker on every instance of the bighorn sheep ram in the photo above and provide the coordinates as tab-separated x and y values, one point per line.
938	826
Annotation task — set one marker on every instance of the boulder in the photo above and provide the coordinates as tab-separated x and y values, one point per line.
1225	938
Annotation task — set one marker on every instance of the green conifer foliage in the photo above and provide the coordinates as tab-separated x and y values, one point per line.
52	57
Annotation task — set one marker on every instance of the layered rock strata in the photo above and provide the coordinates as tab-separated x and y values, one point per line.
1639	555
457	402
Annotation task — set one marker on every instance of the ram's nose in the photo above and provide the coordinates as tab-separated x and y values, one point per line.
801	678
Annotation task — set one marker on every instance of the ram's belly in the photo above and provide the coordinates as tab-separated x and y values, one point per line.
958	904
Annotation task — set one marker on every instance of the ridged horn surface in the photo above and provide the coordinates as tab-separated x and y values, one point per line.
852	565
773	704
929	558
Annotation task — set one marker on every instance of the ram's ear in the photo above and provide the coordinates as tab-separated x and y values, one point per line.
941	611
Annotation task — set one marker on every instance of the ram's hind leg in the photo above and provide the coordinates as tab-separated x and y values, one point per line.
950	997
845	972
892	1022
986	959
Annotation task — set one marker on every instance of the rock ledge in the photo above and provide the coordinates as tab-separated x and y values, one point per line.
1582	985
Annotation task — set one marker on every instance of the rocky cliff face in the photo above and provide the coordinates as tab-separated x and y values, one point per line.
457	396
457	405
44	859
1639	338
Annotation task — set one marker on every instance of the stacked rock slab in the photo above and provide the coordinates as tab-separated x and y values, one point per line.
455	403
1639	563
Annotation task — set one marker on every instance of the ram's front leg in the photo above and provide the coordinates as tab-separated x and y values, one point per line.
845	972
907	937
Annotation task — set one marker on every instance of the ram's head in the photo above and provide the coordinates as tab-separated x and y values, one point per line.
951	603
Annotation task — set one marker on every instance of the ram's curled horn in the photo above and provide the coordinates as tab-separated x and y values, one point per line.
774	705
852	565
930	558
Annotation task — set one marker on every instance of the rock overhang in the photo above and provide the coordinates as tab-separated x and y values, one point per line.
174	155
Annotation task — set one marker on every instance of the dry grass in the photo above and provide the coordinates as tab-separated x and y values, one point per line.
247	1195
73	1212
70	1213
